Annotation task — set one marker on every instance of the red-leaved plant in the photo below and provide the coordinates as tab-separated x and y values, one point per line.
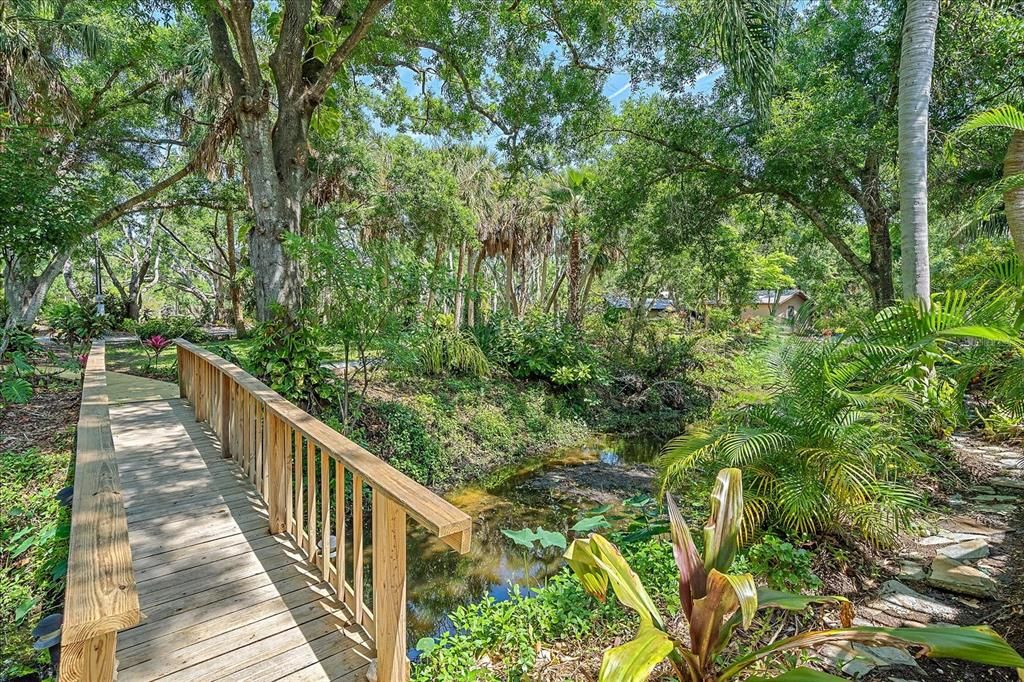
156	345
715	603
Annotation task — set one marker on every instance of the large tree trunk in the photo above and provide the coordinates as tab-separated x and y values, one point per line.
917	56
277	211
574	314
25	292
1013	164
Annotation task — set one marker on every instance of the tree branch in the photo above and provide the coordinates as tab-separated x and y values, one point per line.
315	92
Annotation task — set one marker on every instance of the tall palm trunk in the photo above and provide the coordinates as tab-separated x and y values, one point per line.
575	276
235	287
1014	199
917	56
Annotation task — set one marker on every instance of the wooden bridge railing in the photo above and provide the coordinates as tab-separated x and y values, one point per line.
100	599
309	475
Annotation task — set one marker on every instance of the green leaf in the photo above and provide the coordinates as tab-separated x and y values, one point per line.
774	599
591	523
524	537
800	675
584	564
721	534
425	645
603	509
634	661
23	608
549	538
17	390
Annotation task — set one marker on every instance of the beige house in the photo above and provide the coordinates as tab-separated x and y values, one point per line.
781	304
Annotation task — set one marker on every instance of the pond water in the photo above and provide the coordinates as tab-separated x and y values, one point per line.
553	491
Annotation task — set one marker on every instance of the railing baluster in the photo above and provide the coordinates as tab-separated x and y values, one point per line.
339	530
311	500
325	510
300	509
357	545
283	451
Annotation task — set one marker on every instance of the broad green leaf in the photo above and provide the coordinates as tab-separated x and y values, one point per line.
425	645
981	332
524	537
591	523
603	509
15	390
721	534
23	608
800	675
549	538
584	564
774	599
978	644
634	661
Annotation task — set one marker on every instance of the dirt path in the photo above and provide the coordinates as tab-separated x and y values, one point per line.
959	570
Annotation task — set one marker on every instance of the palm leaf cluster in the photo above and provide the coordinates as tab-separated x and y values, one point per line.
834	447
821	455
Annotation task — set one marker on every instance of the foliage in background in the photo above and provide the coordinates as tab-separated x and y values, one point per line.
539	347
834	445
172	327
285	356
76	325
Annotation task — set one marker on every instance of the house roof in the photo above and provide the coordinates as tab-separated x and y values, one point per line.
653	304
768	296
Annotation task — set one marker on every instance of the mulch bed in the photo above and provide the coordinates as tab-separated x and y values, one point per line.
46	422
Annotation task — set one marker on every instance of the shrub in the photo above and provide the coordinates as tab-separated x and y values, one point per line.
445	350
285	356
174	327
492	428
401	438
539	347
782	565
76	325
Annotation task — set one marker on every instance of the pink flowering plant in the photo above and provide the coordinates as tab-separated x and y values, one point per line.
155	345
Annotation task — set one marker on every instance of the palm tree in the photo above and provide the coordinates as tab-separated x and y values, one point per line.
1010	190
564	198
917	55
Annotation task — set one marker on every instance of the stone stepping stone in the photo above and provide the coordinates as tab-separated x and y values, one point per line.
995	498
996	508
949	574
968	526
900	605
910	570
936	540
965	551
1007	483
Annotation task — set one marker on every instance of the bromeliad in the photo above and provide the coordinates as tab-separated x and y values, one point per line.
716	602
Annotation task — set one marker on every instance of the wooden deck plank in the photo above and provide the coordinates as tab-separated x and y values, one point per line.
221	597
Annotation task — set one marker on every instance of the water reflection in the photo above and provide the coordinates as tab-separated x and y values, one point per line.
440	580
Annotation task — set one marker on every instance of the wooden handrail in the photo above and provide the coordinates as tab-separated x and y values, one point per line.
100	598
313	479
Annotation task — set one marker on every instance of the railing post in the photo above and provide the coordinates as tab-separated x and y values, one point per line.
389	579
180	352
277	474
225	415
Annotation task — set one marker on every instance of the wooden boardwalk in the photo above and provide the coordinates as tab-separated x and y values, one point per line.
221	598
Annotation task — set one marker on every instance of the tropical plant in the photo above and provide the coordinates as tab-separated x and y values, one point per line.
155	345
1010	189
715	603
819	454
76	325
445	349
